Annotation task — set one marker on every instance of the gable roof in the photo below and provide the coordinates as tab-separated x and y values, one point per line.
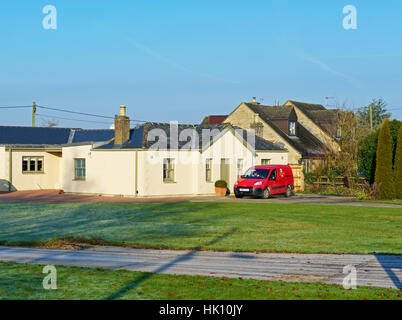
50	137
326	119
141	138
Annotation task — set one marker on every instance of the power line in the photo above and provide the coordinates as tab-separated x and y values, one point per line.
75	112
86	114
16	107
57	117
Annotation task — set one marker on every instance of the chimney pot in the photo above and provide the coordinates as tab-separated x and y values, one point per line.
123	111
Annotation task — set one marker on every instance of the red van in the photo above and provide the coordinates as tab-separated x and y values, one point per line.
264	181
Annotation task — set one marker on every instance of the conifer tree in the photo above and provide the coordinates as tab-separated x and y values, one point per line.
398	166
384	175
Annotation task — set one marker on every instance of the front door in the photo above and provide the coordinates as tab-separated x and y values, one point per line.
225	170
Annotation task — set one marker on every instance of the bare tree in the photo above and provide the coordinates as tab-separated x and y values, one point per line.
50	123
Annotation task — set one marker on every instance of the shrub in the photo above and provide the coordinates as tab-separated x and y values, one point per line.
221	184
384	174
398	166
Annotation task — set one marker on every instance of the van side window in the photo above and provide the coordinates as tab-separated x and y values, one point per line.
273	175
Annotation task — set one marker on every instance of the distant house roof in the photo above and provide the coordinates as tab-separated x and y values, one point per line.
146	135
214	120
272	113
50	137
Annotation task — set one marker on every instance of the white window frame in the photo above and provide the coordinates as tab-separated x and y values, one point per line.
169	173
292	128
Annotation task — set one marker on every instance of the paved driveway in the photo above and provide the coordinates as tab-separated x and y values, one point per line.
372	270
52	196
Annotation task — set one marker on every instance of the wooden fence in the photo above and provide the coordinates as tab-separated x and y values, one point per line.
298	177
339	181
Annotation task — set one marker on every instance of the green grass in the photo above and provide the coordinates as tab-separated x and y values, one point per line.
208	226
23	281
385	201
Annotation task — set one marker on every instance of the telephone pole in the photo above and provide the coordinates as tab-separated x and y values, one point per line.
33	114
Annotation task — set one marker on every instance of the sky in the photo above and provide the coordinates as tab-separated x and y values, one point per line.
182	60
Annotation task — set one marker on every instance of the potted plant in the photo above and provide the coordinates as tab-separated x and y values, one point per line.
221	188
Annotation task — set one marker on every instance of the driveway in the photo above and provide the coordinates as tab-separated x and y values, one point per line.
372	270
52	196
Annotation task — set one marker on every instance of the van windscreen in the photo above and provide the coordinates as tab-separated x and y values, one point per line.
256	174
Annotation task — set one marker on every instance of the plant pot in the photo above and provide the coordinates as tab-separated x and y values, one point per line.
220	192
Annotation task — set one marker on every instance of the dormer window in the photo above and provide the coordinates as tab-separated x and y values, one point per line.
292	128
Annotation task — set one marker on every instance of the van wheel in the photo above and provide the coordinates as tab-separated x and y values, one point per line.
266	194
238	196
288	192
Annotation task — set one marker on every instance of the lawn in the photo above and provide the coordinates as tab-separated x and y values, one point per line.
385	201
23	281
208	226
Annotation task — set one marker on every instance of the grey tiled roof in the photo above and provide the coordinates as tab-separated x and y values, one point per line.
146	135
272	113
43	137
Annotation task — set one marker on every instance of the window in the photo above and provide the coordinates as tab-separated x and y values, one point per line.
292	128
339	132
257	174
240	168
265	162
32	164
208	170
273	175
168	170
80	172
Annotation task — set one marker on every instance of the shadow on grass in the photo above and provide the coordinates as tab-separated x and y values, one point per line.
112	222
389	263
188	256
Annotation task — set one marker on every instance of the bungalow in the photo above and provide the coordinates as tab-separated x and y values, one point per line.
152	159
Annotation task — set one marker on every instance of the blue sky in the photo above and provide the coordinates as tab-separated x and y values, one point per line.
182	60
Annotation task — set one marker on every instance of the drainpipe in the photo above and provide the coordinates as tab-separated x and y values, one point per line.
136	174
10	170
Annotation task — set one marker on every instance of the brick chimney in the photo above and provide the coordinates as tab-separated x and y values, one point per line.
121	127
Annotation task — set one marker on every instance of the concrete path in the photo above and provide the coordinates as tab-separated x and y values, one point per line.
53	196
372	270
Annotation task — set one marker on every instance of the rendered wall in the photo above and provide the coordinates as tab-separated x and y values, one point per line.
107	172
4	185
49	179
